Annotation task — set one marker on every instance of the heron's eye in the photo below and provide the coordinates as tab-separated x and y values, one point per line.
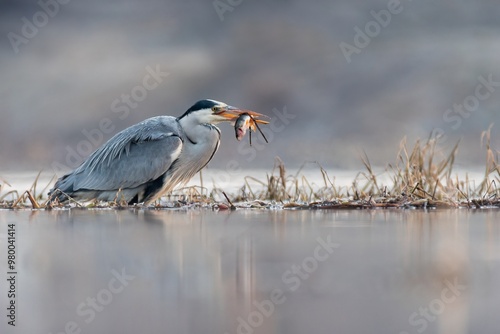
216	109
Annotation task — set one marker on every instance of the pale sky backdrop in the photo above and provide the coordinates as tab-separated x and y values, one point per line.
70	75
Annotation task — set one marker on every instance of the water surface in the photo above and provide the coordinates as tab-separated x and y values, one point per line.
188	271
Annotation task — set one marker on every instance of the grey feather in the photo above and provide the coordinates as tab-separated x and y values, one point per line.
134	156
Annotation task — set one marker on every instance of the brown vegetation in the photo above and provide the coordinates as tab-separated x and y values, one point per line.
421	178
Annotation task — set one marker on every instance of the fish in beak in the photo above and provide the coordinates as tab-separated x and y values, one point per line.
242	120
232	113
247	121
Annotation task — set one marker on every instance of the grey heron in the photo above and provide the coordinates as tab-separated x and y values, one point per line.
148	159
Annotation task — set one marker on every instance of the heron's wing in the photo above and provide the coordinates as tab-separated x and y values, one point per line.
138	154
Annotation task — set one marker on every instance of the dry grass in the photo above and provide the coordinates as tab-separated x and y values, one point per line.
421	177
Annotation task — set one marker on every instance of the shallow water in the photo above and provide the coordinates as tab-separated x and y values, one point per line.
146	271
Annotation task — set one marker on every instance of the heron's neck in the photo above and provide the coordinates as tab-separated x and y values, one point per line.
195	130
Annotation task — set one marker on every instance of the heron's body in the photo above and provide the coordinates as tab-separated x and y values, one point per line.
144	161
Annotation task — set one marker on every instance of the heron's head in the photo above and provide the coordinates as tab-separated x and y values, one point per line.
213	112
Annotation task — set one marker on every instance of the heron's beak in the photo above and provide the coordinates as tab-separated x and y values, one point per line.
232	113
229	113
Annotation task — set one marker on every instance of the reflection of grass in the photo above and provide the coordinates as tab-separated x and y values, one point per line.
420	178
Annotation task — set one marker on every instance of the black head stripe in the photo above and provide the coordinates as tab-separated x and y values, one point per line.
202	104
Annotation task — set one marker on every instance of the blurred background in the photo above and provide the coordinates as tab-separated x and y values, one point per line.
349	76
